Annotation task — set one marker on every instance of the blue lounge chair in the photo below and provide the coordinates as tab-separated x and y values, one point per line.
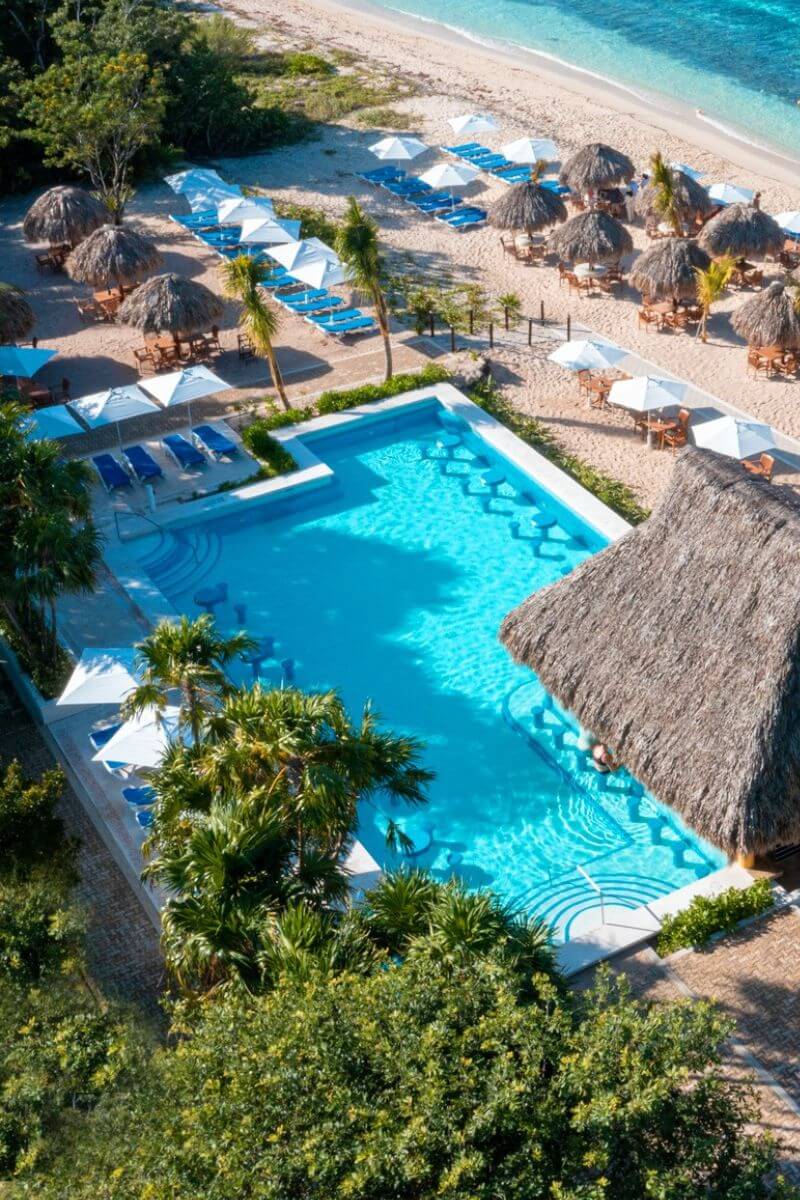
202	220
111	473
143	465
553	185
493	162
99	737
336	318
360	324
325	304
438	204
464	148
512	175
307	296
463	217
279	279
380	175
144	818
476	151
140	797
407	187
214	441
183	453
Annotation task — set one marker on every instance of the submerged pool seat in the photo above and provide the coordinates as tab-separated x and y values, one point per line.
207	598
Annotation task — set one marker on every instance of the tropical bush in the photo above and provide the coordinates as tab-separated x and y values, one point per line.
270	453
30	830
315	222
707	915
338	401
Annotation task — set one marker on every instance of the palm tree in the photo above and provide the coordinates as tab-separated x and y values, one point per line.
711	285
188	656
241	277
665	196
357	246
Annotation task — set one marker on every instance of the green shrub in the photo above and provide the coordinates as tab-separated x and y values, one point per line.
29	827
270	453
39	929
332	402
384	118
707	915
617	495
314	222
301	62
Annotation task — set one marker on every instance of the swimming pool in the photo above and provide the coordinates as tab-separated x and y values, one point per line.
390	584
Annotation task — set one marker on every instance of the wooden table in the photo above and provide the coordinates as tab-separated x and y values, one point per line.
36	393
657	428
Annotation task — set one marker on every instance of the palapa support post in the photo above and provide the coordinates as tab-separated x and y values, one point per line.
530	331
505	313
746	860
433	325
491	335
541	312
569	327
452	339
472	321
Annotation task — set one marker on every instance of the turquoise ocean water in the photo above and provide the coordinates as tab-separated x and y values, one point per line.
737	60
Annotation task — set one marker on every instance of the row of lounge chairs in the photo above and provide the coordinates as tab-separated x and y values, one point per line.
141	466
498	166
442	206
141	797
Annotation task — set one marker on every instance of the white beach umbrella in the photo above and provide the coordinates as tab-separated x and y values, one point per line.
112	406
473	123
143	740
531	150
789	222
182	387
53	422
734	437
104	676
211	195
450	175
238	209
320	273
192	179
399	149
685	169
730	193
297	254
646	393
269	231
589	355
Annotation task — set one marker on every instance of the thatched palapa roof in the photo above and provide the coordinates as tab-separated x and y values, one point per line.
16	315
113	254
692	198
769	319
679	646
63	215
527	206
596	166
592	237
171	304
741	230
666	270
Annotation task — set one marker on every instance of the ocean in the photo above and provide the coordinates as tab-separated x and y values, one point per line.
736	60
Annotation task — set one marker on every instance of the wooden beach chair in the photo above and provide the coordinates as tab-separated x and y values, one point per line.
763	468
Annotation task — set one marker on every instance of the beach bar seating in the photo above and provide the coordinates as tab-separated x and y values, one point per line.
764	467
112	475
215	443
142	463
183	453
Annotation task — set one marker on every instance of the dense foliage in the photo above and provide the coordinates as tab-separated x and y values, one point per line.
338	401
707	915
270	453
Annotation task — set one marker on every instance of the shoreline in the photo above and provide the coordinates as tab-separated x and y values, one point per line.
706	131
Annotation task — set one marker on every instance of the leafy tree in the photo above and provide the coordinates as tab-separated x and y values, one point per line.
665	197
30	830
711	285
241	277
188	656
357	246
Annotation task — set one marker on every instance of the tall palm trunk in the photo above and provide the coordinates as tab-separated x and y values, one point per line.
277	378
382	314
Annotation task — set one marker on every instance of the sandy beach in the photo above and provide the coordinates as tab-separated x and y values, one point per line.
451	76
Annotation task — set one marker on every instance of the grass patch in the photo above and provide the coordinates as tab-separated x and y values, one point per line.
706	916
384	118
314	222
275	459
332	402
617	495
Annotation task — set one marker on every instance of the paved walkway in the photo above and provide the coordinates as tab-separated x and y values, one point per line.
122	943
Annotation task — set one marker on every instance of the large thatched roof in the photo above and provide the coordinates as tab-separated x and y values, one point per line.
16	315
666	270
769	319
527	206
113	254
171	304
692	198
63	215
596	166
741	230
592	237
679	646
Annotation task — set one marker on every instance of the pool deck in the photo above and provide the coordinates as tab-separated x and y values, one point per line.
127	604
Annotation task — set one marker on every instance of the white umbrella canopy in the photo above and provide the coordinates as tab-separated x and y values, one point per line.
238	209
531	150
450	175
112	406
646	393
211	195
734	437
192	179
297	254
730	193
182	387
587	355
144	740
685	169
104	676
53	422
269	231
400	149
789	222
320	273
473	123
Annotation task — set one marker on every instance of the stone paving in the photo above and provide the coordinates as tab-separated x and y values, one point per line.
122	943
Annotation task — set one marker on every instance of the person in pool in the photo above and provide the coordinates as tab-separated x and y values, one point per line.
603	759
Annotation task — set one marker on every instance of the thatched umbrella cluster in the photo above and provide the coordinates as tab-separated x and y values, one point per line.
596	166
593	237
63	216
769	319
666	270
741	230
707	720
113	254
171	304
692	199
16	315
527	206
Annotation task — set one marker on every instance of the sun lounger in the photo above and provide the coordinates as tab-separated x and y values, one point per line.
380	175
442	200
144	818
476	150
407	187
279	279
141	797
202	220
307	296
463	217
360	324
463	149
325	304
553	185
143	465
112	476
99	737
183	453
336	318
216	443
493	162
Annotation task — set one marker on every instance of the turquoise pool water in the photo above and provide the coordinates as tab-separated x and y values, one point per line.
391	585
735	59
